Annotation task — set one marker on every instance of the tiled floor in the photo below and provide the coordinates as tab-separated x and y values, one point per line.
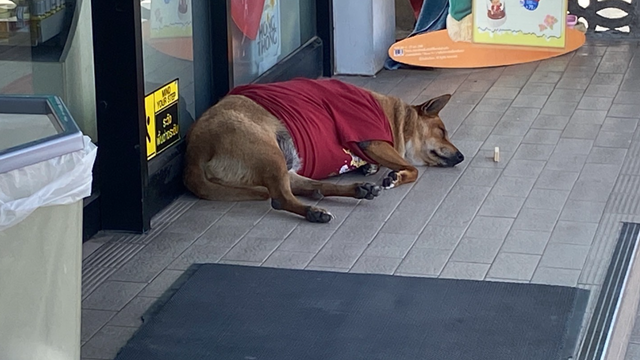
548	212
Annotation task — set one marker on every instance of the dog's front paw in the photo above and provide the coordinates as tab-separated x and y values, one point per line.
369	169
317	215
390	181
367	191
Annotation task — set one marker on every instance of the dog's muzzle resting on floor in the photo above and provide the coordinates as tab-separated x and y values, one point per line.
279	140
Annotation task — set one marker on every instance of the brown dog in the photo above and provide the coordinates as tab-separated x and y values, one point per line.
239	150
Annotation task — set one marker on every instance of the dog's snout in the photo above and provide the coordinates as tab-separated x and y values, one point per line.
459	157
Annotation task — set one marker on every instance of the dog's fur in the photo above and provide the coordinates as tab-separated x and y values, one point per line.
239	151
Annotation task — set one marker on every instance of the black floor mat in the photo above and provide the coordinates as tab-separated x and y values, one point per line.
251	313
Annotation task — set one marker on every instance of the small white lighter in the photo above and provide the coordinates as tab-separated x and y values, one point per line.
496	154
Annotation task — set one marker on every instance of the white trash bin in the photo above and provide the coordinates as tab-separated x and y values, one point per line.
45	172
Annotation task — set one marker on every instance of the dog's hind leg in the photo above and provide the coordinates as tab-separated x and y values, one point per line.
275	178
303	186
196	181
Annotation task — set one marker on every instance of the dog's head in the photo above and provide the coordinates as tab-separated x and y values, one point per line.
430	144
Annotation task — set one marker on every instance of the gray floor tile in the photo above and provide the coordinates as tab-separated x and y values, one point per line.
553	65
464	271
514	81
559	108
573	82
600	172
338	256
142	268
524	168
400	223
224	234
493	105
169	244
594	103
275	229
555	276
376	265
288	259
195	222
513	186
484	227
547	199
602	155
497	92
564	256
92	321
612	124
475	176
477	250
164	281
527	115
614	139
571	232
501	206
526	242
542	136
530	101
472	132
574	146
624	111
537	89
306	241
475	85
581	131
633	352
107	342
131	315
627	97
601	90
635	333
460	206
513	266
112	295
198	254
586	190
583	211
390	245
480	118
506	143
359	231
547	77
556	179
254	249
536	219
466	97
560	161
550	122
607	79
421	261
439	237
509	127
533	152
572	95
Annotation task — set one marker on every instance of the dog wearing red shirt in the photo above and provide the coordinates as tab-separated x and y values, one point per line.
278	141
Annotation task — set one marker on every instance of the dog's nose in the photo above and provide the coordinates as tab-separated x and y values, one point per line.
459	157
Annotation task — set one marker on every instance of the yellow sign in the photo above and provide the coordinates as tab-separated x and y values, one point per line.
161	117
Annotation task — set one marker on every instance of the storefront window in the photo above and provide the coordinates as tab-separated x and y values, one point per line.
40	42
266	31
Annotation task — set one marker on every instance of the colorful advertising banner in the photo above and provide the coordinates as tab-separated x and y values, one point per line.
520	22
485	33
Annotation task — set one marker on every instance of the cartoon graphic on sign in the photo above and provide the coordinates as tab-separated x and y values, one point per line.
170	19
538	23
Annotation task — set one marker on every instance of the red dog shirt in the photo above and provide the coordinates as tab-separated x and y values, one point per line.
326	119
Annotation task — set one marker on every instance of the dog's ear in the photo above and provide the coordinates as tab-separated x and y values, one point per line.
434	106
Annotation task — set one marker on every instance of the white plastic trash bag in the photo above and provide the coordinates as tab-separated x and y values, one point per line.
59	181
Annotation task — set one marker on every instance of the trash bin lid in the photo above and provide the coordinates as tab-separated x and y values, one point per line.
35	128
